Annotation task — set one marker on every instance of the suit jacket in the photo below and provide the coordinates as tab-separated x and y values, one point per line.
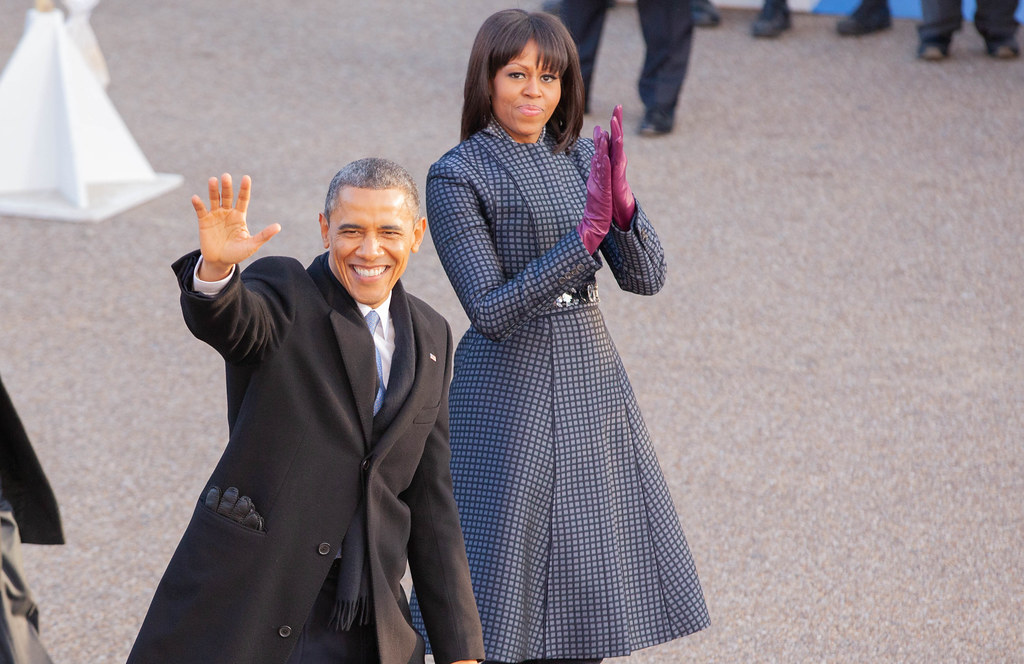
302	444
22	481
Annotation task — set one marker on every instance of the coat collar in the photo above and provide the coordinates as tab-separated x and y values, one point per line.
354	340
416	355
430	360
494	128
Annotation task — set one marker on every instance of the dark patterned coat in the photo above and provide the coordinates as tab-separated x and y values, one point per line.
574	545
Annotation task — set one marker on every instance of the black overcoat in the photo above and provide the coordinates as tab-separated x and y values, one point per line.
300	383
23	482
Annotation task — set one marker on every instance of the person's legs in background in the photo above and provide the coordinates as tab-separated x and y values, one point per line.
939	20
995	21
773	19
705	14
585	20
870	16
667	27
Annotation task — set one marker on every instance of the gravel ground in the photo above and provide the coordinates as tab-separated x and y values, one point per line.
833	375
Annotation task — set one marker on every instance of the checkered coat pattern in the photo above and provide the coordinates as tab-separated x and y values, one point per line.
574	545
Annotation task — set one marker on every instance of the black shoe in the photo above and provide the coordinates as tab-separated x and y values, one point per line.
864	20
705	14
656	123
1002	48
933	48
772	21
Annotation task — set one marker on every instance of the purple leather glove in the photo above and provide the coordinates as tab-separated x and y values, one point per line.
597	212
623	202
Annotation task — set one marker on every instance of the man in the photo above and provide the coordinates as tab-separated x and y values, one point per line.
28	513
336	468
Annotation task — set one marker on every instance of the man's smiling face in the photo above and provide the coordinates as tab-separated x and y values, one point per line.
370	235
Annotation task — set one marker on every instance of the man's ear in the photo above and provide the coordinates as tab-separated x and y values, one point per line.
325	227
419	230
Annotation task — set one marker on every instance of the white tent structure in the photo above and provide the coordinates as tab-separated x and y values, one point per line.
84	38
65	153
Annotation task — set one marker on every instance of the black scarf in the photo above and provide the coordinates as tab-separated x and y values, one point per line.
353	602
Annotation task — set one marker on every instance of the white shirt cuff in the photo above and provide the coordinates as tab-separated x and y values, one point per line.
210	288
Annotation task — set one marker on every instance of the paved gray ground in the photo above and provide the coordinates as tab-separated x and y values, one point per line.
834	374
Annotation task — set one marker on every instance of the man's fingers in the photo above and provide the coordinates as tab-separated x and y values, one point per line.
226	193
213	184
201	210
267	233
243	194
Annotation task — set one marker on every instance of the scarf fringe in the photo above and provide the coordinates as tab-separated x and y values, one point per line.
351	612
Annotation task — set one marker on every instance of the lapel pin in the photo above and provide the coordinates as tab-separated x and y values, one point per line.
433	358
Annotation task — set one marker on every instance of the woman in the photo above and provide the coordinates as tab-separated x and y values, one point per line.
575	549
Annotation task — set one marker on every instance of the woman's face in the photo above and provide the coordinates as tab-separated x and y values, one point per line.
524	95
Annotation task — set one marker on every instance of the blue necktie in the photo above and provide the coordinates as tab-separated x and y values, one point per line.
372	321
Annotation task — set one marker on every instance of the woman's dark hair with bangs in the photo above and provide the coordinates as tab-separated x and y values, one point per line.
502	37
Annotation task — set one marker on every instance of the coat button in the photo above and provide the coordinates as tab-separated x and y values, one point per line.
284	631
324	548
365	465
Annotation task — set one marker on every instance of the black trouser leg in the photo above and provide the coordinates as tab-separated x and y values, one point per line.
585	20
994	18
319	643
939	19
667	27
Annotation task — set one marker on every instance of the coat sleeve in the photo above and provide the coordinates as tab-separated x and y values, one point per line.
246	321
437	550
635	256
495	305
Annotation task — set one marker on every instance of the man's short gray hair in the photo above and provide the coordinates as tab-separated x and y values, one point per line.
374	173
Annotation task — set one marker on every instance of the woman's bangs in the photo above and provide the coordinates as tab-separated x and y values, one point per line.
553	57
